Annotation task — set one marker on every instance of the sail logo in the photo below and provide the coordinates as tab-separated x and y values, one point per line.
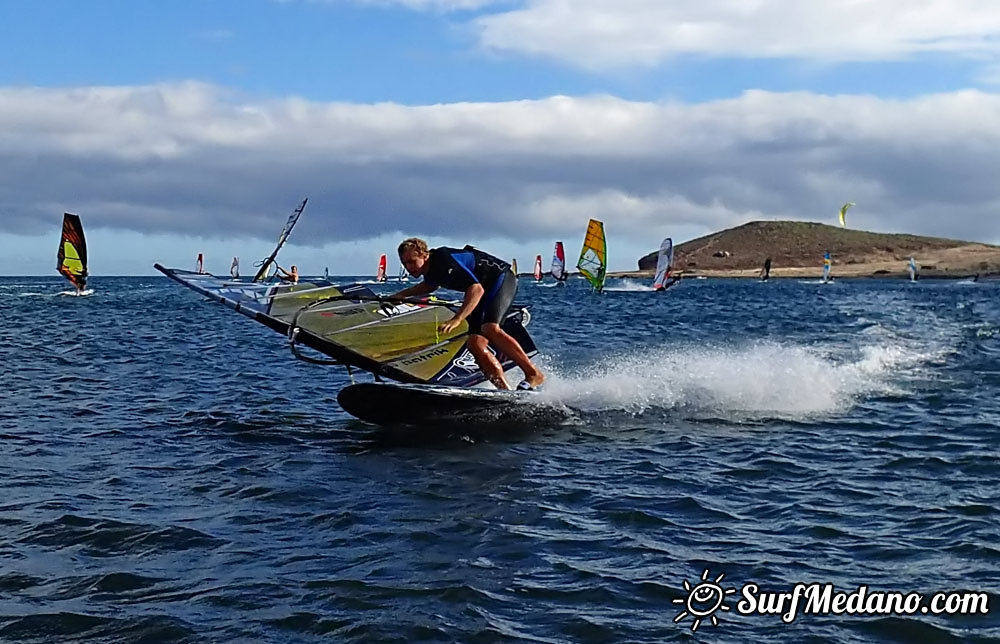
466	361
465	364
397	309
440	351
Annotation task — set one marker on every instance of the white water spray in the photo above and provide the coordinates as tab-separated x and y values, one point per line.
760	380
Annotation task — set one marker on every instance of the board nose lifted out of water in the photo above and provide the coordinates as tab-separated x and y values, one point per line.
398	403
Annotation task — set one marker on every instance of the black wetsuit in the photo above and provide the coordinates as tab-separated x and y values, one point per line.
458	269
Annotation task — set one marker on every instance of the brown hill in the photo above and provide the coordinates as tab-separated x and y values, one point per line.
796	249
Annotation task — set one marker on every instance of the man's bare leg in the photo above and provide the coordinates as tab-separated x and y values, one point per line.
487	361
508	346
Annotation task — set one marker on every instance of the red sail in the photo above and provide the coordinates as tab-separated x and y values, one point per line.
380	276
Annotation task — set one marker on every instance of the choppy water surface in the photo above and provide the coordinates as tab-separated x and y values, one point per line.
171	473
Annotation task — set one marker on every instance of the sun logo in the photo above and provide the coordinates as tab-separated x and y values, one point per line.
703	600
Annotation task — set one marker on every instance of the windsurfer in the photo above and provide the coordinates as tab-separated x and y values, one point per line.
291	276
489	286
673	279
765	272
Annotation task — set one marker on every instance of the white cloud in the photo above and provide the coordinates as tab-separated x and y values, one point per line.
601	34
608	35
192	159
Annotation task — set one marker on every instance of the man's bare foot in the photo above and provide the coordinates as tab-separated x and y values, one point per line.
534	379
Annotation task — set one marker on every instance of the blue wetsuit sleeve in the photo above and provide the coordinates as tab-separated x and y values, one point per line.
466	261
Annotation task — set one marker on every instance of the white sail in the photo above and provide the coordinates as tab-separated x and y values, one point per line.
664	263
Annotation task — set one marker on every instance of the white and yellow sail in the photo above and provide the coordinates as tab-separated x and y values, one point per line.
843	213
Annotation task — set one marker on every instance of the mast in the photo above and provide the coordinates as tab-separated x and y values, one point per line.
293	218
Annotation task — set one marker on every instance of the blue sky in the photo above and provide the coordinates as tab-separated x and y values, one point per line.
192	126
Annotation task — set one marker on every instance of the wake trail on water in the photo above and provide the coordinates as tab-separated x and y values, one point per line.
756	381
629	286
84	293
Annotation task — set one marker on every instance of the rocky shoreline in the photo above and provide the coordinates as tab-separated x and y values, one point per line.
796	250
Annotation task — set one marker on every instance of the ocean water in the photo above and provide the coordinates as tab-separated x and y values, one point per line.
170	473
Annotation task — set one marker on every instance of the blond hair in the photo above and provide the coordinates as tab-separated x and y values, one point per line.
415	244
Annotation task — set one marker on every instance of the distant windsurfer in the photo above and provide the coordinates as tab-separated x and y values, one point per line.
291	276
673	279
71	258
489	286
765	272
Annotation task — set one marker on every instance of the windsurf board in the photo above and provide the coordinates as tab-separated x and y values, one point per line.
392	403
